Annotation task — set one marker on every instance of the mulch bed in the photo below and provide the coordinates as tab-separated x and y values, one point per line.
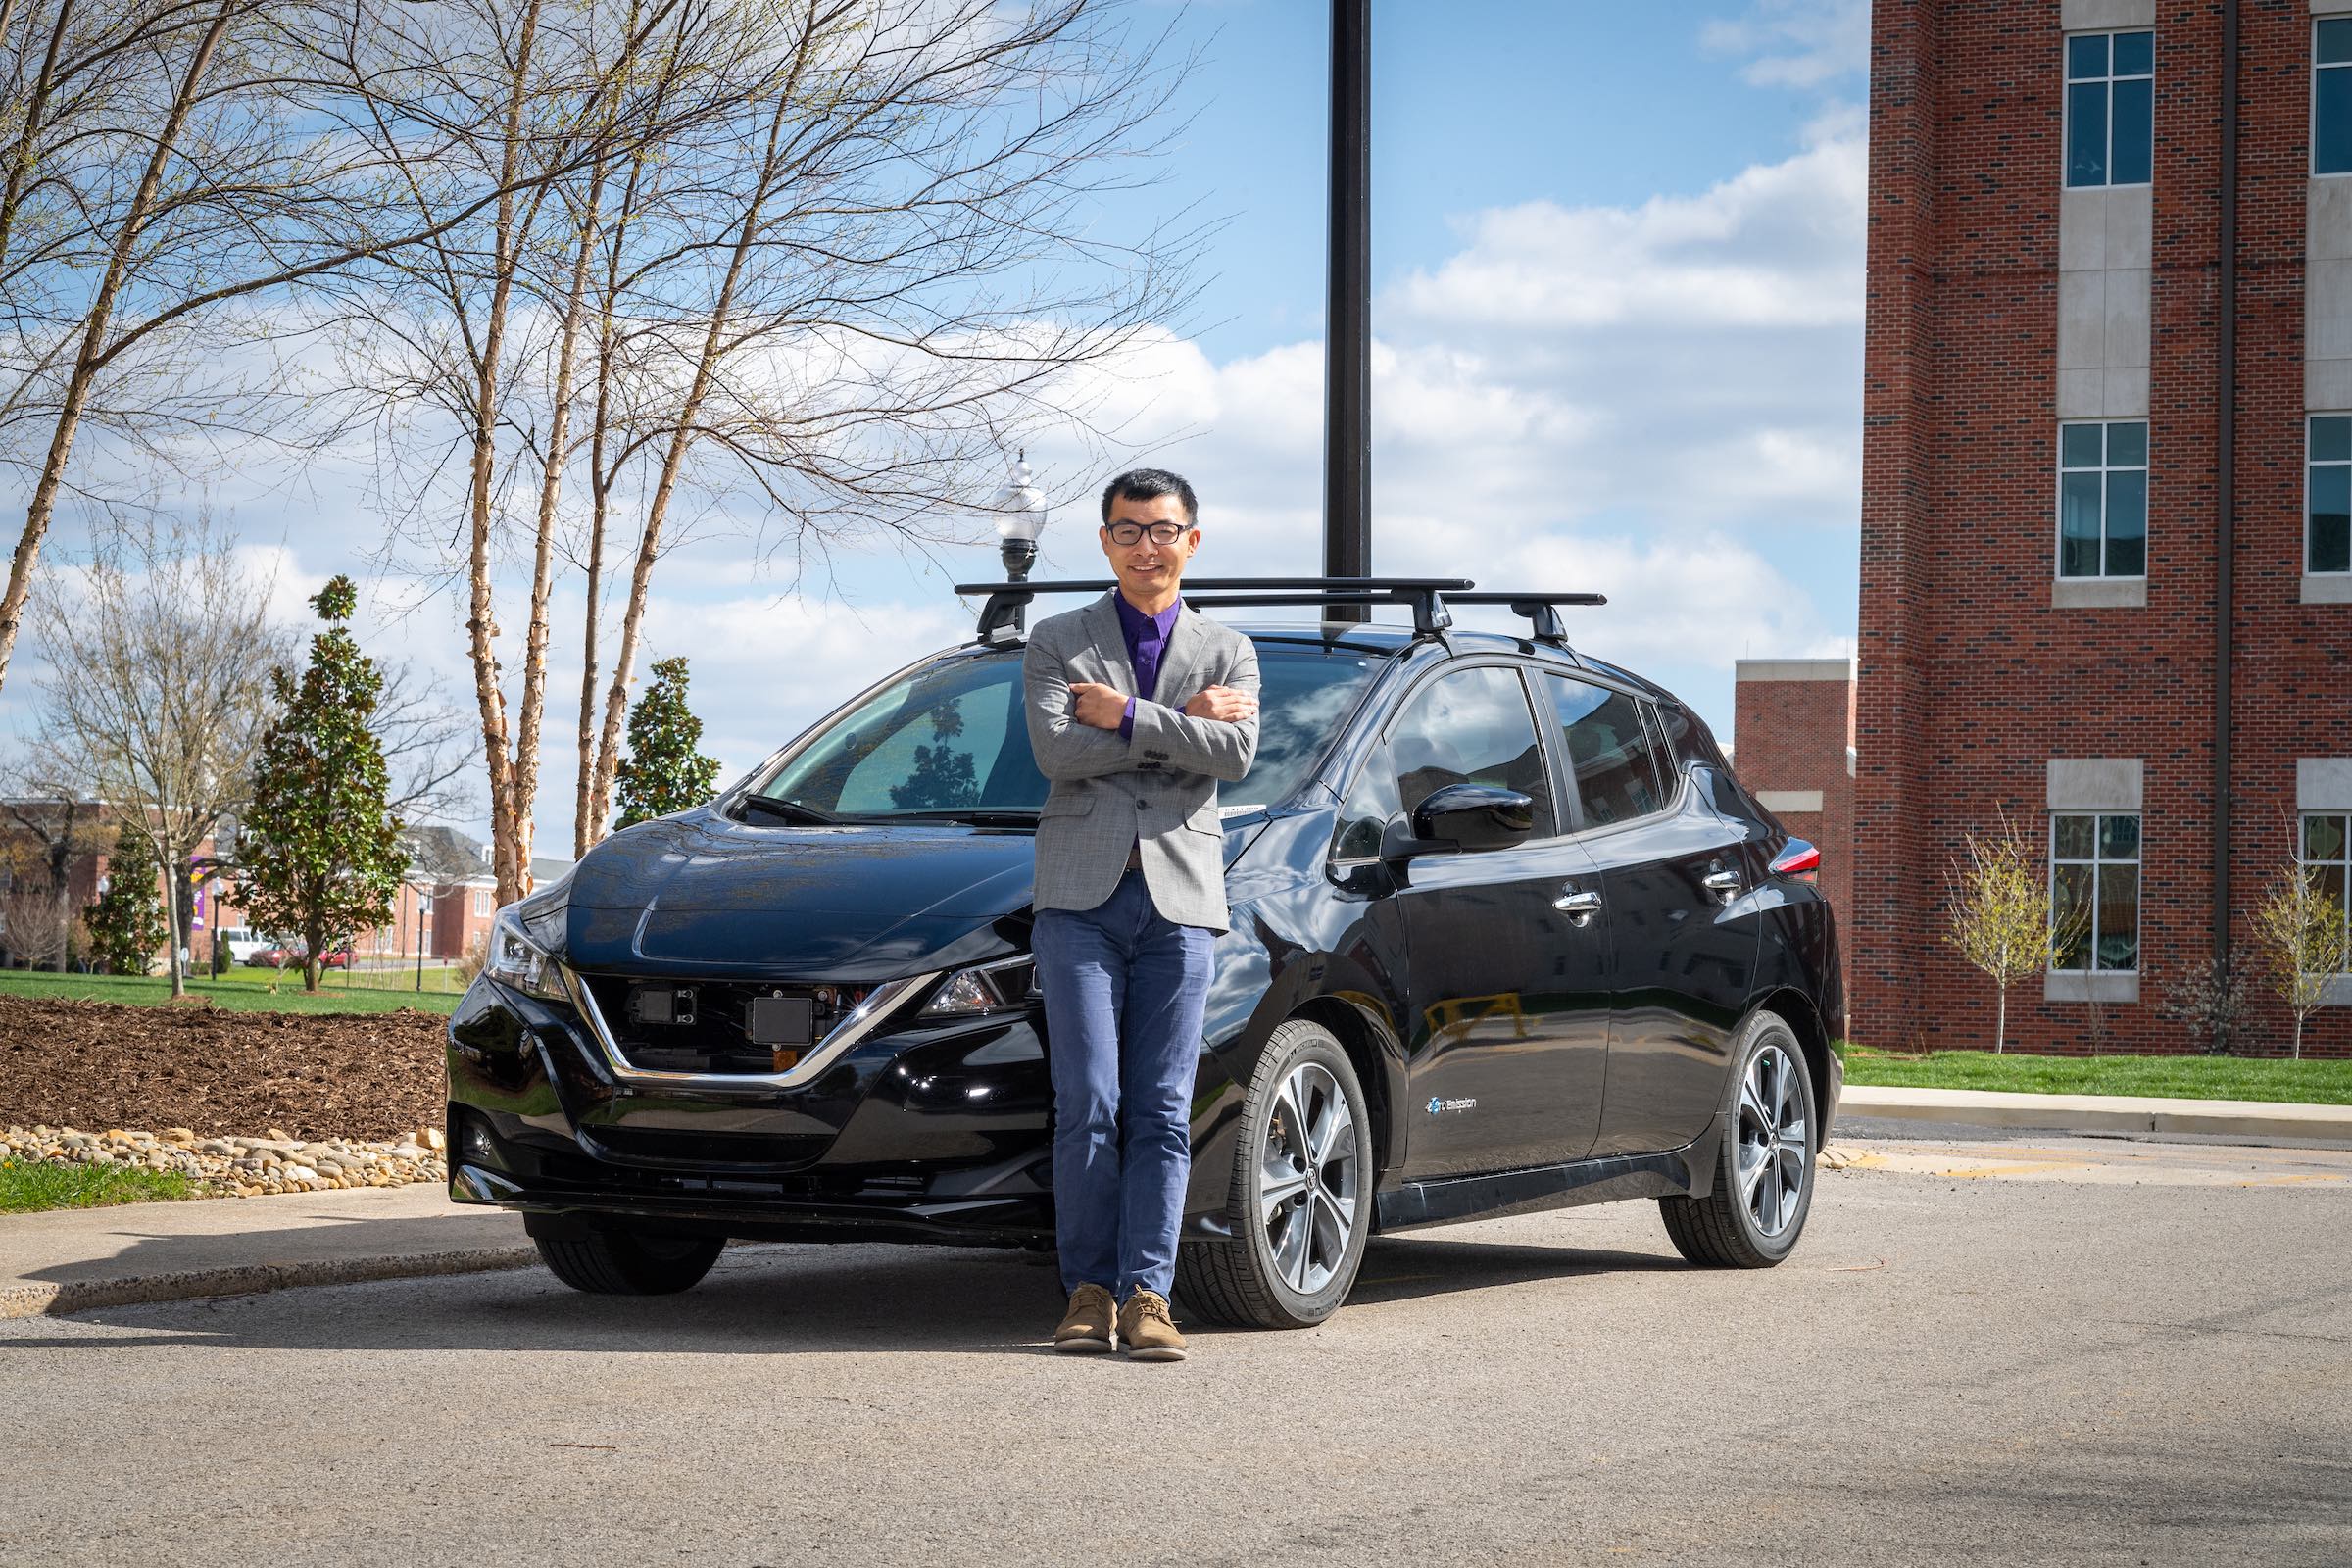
95	1066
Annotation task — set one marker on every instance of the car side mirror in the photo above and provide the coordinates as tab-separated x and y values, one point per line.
1473	816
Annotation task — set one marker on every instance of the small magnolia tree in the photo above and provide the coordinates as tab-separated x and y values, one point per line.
322	851
126	923
2299	929
2000	918
663	772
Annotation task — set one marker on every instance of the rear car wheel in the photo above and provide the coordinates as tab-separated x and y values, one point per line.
1301	1205
616	1263
1764	1173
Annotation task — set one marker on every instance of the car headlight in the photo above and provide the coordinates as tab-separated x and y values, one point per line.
516	961
1004	985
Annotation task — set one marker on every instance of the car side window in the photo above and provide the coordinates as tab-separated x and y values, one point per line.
1471	726
1611	753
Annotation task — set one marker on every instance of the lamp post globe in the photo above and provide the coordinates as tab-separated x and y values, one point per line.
1020	521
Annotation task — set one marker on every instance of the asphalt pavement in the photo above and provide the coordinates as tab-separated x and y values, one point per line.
2035	1349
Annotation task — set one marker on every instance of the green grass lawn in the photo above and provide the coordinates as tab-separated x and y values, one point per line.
25	1186
2324	1083
248	989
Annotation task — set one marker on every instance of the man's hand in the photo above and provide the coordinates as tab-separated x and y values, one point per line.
1093	703
1226	704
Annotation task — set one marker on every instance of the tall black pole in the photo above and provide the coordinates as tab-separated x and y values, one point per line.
1348	308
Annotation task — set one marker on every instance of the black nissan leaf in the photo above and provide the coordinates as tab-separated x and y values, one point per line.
1507	934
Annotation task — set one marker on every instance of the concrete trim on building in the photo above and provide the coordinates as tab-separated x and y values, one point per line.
2105	15
2338	992
2328	587
1791	800
1792	669
2095	783
2098	592
2329	7
2081	984
2323	784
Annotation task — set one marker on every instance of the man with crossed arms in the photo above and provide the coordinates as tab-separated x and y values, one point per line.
1137	706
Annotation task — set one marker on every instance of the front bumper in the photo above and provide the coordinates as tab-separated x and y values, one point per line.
935	1131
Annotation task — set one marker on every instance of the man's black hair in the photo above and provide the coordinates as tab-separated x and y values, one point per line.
1149	484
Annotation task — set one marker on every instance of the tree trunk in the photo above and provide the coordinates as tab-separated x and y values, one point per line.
2298	1044
2000	1020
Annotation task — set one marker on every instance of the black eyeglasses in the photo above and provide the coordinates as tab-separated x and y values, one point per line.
1132	533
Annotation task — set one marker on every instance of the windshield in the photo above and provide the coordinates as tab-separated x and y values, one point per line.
951	739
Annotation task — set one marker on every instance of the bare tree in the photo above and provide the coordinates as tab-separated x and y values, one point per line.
424	735
2000	918
156	691
173	174
2299	930
852	303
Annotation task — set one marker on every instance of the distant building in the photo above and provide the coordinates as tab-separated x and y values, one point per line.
1793	719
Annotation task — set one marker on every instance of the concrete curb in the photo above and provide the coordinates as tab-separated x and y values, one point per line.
56	1299
2099	1113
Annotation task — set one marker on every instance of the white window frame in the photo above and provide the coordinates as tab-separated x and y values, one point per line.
2137	862
2313	118
2310	463
2145	468
2343	967
2067	81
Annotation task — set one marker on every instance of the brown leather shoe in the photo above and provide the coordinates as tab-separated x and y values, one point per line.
1146	1329
1086	1327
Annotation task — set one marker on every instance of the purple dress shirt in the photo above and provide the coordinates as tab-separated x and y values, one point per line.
1147	638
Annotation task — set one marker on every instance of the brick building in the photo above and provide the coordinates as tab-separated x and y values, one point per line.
2107	492
1793	719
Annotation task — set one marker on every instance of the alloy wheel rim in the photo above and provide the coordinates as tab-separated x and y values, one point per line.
1308	1190
1775	1143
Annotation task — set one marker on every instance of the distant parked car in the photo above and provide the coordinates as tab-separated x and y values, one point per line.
282	957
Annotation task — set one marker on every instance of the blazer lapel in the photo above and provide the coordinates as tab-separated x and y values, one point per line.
1185	641
1103	628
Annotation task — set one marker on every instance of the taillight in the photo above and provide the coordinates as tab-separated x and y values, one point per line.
1799	859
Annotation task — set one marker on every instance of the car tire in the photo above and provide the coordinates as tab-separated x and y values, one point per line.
629	1262
1301	1205
1764	1165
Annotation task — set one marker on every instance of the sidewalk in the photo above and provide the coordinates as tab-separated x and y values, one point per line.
2098	1114
76	1259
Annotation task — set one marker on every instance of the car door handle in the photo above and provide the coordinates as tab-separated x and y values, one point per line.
1579	906
1722	884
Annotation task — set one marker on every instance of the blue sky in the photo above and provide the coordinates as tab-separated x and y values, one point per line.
1618	301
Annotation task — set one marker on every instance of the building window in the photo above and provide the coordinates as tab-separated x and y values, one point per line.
2327	855
2110	108
2328	494
2332	97
2103	500
2095	891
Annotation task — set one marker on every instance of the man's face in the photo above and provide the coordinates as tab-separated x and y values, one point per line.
1148	569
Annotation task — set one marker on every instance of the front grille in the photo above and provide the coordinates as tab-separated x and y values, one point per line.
719	1026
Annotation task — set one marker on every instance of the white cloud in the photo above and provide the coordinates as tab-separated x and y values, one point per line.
1795	43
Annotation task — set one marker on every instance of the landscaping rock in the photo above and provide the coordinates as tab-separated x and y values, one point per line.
219	1172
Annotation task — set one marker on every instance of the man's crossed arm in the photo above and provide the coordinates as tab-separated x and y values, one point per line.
1074	726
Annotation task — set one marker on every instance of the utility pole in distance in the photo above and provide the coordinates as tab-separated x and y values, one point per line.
1348	309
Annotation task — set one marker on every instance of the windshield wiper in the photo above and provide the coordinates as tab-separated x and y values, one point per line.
977	816
789	811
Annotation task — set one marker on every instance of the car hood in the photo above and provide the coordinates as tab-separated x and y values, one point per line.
703	893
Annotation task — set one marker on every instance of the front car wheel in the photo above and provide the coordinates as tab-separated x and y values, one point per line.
628	1262
1302	1207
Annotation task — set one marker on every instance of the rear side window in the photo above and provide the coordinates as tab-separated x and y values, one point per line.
1472	726
1612	755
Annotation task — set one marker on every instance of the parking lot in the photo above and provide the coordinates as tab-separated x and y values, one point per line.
2040	1350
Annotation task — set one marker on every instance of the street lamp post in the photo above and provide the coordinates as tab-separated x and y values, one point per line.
1020	523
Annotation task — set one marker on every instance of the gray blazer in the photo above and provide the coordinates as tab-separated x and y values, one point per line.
1159	788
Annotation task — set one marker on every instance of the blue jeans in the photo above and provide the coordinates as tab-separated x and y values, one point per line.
1125	989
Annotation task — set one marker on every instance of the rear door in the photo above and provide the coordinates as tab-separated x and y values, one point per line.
1672	881
1508	995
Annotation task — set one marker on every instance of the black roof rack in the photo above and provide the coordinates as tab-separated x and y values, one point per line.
1537	608
1001	616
